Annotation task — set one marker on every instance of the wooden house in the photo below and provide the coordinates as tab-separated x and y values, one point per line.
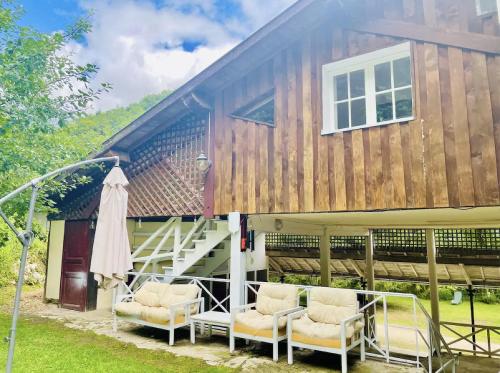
362	137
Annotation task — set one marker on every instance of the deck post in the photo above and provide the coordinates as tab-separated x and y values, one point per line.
370	283
237	262
324	259
433	280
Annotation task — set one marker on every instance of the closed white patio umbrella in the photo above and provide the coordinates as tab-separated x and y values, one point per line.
111	257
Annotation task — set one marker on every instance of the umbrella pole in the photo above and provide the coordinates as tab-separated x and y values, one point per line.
26	238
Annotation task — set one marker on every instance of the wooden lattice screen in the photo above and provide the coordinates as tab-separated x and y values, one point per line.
448	242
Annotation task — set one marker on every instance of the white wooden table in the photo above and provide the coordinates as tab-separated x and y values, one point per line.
210	318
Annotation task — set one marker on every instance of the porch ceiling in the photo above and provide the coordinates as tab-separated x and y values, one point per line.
358	223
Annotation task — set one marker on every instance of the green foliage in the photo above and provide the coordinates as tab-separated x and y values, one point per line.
10	252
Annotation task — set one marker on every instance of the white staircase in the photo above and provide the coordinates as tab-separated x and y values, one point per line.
198	252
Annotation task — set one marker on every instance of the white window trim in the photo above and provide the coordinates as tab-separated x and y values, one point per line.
362	62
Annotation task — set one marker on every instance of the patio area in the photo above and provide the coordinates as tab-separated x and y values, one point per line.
214	350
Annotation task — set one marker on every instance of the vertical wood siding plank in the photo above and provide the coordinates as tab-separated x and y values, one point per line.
324	54
349	170
461	127
358	164
280	122
397	166
308	177
250	182
228	153
300	126
386	168
377	178
493	63
367	169
481	129
435	128
218	164
406	156
263	180
292	129
340	177
448	128
420	179
315	72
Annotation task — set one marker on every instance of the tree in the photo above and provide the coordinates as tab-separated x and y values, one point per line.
41	91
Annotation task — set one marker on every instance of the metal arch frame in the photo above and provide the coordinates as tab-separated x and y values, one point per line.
26	237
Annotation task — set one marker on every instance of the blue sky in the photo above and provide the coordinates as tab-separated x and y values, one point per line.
146	46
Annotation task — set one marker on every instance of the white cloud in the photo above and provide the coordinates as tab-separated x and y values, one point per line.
138	45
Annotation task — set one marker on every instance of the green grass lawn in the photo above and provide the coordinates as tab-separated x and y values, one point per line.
48	346
400	313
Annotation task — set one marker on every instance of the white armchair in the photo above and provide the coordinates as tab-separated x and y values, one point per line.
331	323
161	306
265	320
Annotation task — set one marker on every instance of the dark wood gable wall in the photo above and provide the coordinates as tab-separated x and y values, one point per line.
448	156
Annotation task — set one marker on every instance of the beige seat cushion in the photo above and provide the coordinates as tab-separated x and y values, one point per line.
272	298
179	294
308	327
129	309
151	293
255	320
159	315
330	305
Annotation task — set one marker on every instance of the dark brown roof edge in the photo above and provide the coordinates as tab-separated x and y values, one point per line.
177	96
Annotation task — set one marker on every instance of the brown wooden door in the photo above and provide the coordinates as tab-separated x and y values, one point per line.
75	265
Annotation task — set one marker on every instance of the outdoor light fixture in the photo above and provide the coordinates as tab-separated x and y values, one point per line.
203	163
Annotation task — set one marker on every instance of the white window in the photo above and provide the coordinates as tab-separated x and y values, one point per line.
486	7
371	89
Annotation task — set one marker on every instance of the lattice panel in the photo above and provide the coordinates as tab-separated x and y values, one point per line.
399	240
347	243
481	241
278	241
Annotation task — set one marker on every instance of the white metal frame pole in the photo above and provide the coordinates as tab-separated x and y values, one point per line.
324	259
26	238
237	263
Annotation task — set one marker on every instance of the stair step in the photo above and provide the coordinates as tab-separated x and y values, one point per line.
198	241
188	250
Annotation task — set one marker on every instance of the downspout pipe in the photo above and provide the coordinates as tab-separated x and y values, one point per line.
26	238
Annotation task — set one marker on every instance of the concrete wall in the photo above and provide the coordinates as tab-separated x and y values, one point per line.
54	260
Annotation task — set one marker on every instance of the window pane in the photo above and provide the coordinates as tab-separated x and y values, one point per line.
357	81
384	107
383	76
342	111
341	87
402	74
358	112
403	103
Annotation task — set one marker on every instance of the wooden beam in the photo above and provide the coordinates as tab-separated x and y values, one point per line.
124	156
369	265
356	268
406	30
276	265
466	275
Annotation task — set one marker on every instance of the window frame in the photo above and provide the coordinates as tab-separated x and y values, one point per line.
365	62
253	105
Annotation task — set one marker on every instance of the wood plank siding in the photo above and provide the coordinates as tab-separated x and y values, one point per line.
449	155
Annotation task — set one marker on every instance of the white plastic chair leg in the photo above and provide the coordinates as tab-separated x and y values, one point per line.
290	354
193	332
344	362
171	337
275	351
115	324
231	342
